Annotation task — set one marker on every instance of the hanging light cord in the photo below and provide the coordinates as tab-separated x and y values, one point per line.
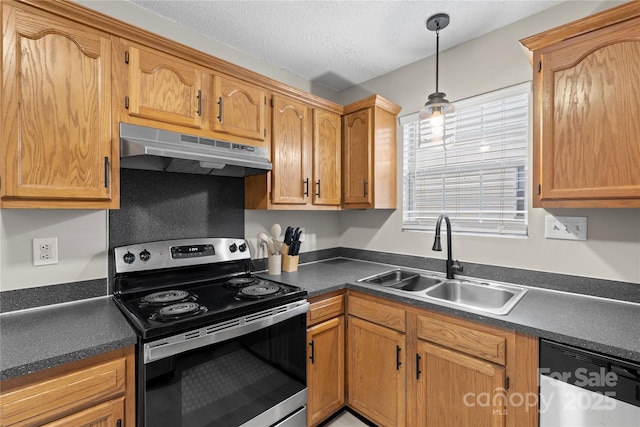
437	55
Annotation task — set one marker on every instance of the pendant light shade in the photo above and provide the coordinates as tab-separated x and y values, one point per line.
437	106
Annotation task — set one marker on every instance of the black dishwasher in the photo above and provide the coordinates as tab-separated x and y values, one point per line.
581	388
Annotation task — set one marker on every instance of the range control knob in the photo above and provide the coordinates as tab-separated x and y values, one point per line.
145	255
129	258
233	248
242	247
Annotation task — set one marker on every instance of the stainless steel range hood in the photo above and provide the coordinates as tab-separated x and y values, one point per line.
159	150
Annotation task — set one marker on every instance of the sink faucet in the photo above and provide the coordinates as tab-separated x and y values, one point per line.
452	266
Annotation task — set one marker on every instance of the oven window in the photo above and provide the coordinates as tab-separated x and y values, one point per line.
229	383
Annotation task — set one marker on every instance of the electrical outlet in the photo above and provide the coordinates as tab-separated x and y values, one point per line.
303	232
45	251
565	227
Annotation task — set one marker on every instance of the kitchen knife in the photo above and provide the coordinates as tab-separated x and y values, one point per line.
296	247
288	236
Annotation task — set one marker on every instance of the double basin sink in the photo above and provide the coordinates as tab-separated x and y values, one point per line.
490	297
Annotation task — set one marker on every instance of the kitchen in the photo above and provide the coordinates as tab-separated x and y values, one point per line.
610	254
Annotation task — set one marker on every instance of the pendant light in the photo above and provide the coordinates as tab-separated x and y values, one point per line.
437	106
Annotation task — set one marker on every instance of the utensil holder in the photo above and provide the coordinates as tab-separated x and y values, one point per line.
290	263
274	264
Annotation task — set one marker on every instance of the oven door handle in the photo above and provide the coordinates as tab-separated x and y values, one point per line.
223	331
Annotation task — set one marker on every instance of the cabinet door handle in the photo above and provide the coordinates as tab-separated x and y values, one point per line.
418	371
318	188
366	190
306	187
313	352
220	109
398	362
106	172
199	112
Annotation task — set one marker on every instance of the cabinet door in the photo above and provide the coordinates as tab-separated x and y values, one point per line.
456	390
56	101
588	127
291	151
104	415
357	157
376	370
325	369
239	108
327	149
164	88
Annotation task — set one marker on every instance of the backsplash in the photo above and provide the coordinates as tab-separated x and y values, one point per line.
164	206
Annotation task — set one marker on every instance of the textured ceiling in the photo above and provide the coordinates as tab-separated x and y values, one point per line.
339	44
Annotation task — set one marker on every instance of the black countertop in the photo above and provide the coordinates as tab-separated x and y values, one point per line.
37	339
603	325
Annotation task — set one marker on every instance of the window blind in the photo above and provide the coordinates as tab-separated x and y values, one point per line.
477	173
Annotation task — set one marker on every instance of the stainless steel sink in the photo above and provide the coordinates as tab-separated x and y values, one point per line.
417	283
496	298
389	278
403	280
490	297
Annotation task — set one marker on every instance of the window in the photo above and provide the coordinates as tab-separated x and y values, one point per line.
477	173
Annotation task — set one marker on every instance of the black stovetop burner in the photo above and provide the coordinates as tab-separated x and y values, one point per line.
177	311
186	292
168	297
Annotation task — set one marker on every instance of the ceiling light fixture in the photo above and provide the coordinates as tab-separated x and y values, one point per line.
437	106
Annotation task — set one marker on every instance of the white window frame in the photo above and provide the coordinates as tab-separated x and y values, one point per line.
483	160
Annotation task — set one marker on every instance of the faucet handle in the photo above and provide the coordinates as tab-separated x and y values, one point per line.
456	267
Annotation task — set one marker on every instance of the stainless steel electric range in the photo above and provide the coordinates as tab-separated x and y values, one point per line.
217	346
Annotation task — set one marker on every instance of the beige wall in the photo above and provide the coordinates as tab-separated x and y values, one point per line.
493	61
82	246
487	63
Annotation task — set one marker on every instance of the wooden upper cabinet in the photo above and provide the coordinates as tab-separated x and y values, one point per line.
370	154
306	155
291	153
327	149
57	149
358	157
586	109
164	88
239	108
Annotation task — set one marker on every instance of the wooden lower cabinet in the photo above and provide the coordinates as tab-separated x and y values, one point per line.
456	390
325	357
104	415
408	366
376	372
97	391
325	369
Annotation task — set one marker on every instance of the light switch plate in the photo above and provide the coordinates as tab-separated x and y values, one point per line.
45	251
565	227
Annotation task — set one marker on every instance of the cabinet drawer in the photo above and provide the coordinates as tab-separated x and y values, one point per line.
325	309
64	393
382	314
465	339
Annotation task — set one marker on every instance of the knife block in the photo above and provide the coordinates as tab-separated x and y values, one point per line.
289	263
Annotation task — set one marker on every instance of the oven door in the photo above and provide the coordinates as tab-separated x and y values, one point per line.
240	373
